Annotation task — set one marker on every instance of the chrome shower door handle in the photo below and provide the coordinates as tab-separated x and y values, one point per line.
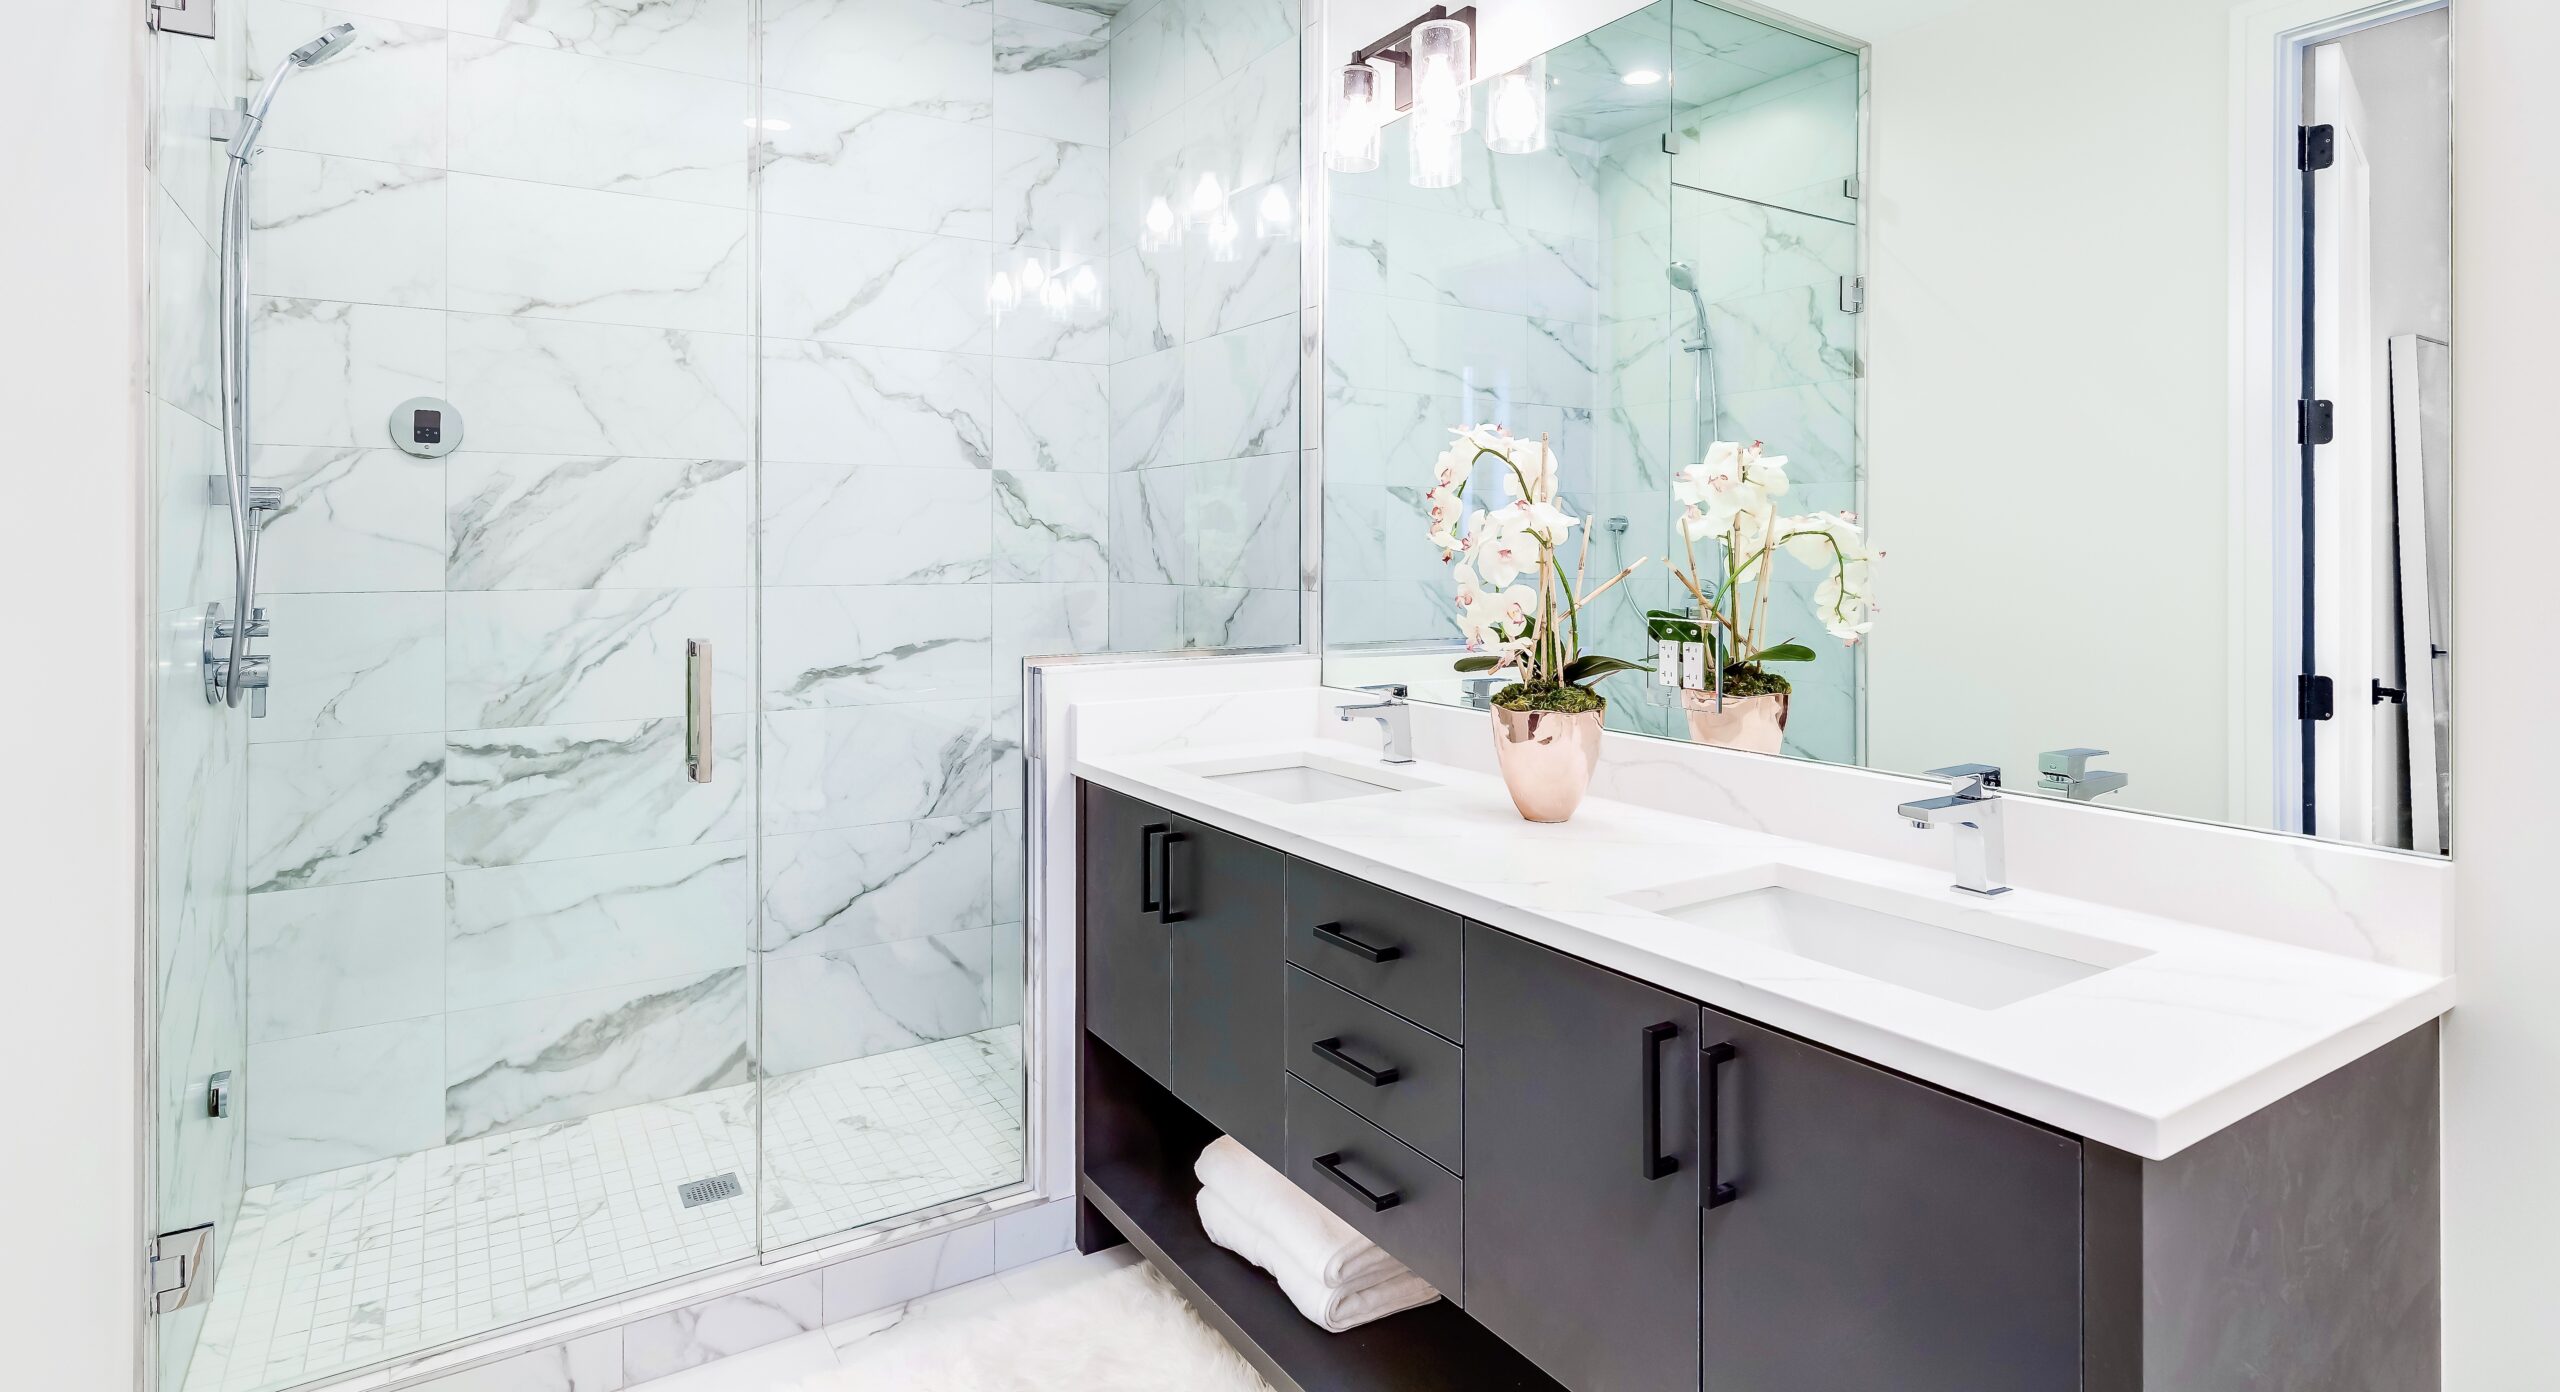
697	710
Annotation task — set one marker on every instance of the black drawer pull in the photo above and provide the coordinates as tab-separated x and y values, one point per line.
1330	1166
1164	861
1332	933
1656	1164
1718	1194
1330	1050
1150	898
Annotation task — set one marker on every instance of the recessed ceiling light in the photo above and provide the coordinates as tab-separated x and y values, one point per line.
1641	77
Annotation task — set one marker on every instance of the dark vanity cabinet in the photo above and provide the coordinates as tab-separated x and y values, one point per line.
1182	961
1619	1189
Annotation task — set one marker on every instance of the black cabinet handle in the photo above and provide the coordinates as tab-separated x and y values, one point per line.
1717	1056
1332	933
1656	1164
1150	899
1330	1166
1164	866
1330	1050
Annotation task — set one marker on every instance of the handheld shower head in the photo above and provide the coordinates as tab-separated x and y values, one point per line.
1685	277
253	112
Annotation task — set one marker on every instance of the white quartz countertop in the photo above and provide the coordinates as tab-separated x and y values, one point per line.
2200	1028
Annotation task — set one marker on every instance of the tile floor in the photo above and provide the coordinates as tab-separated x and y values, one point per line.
334	1271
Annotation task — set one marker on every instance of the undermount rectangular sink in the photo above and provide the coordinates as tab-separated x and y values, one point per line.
1948	962
1305	778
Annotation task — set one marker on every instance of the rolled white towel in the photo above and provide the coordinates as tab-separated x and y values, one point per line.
1336	1309
1303	1232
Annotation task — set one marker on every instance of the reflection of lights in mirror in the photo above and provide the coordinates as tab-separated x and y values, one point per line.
1353	144
1274	218
1435	153
1060	292
1222	232
1160	227
1208	200
1515	110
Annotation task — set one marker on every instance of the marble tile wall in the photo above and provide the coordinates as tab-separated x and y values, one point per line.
1203	460
200	759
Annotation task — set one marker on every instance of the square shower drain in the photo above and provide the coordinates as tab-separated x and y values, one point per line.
703	1191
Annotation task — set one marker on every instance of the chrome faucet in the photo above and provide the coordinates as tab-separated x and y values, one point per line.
1393	715
2067	771
1972	807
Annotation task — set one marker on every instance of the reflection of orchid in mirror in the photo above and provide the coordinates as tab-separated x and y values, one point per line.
1730	498
1517	607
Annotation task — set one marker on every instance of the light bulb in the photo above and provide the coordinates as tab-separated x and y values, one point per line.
1443	66
1274	218
1515	110
1160	227
1353	146
1208	200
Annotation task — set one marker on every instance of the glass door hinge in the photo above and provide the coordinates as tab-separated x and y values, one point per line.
181	1266
193	18
1853	294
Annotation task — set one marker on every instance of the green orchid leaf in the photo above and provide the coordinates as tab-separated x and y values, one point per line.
1480	662
1786	652
1591	668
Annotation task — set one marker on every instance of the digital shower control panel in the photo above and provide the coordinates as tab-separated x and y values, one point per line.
426	427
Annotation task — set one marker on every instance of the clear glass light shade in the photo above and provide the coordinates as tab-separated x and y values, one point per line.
1515	110
1444	67
1435	154
1354	136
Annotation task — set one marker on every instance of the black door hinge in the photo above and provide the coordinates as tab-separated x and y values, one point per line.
2392	694
2317	148
2315	422
2316	698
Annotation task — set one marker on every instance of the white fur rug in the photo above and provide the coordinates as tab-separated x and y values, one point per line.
1123	1330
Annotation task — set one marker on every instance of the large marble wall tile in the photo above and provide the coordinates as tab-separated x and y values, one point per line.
866	765
336	811
327	1101
1074	16
1224	37
1145	617
831	525
1051	193
1147	68
891	289
1052	82
1008	972
588	1363
571	253
563	1057
353	520
1244	522
193	537
1047	621
521	932
874	644
1244	129
1816	423
545	386
189	99
562	657
185	347
837	403
914	55
527	112
712	37
1051	417
539	521
325	372
518	796
1230	618
827	1007
345	956
848	162
1146	302
1783	338
1150	521
353	664
381	99
326	228
1379	611
1076	330
1385	437
832	891
1256	279
1242	392
1148	410
1052	527
661	1345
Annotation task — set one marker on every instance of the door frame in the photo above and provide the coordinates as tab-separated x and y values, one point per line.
2269	42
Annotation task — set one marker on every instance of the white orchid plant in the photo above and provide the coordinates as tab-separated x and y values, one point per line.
1729	499
1517	607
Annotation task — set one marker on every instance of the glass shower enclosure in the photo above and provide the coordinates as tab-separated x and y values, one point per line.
624	879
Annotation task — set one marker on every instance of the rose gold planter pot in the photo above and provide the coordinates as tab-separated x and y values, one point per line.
1757	724
1547	759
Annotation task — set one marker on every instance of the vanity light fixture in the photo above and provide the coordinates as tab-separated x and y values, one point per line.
1515	110
1426	67
1353	143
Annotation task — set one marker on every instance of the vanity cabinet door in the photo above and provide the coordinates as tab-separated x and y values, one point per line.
1880	1233
1127	961
1223	895
1582	1171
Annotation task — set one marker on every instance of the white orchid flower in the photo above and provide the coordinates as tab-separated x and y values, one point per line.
1545	521
1444	507
1504	546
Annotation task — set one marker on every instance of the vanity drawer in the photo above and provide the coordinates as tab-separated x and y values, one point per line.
1399	952
1422	1223
1404	1078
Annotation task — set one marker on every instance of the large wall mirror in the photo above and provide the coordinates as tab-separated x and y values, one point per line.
2063	388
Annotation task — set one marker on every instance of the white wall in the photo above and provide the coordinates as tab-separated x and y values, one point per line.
2502	1047
69	562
